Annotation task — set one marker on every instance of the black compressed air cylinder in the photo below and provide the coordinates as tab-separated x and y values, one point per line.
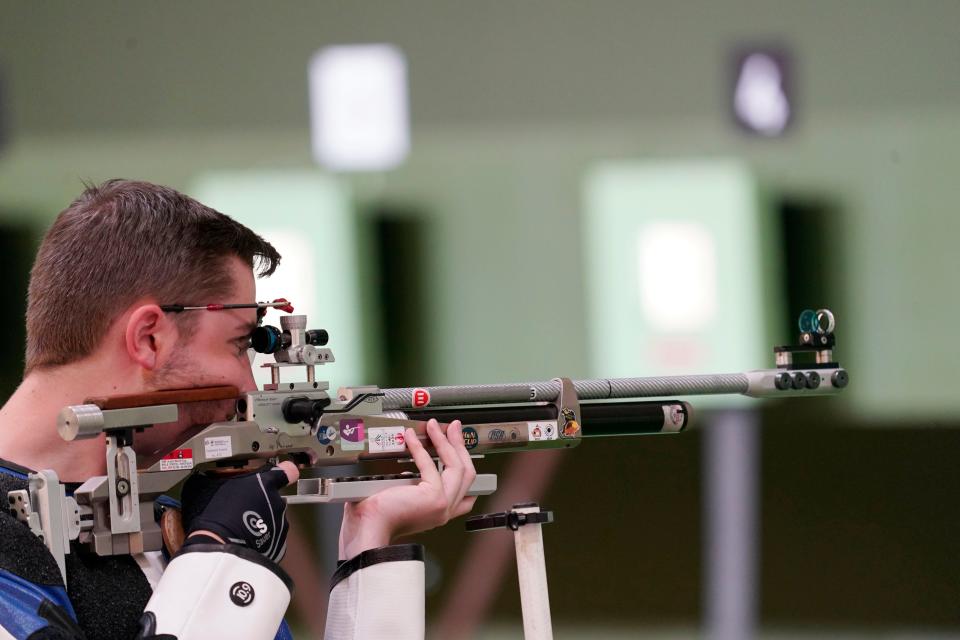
597	419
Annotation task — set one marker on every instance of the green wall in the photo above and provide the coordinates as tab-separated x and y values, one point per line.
502	209
511	105
113	65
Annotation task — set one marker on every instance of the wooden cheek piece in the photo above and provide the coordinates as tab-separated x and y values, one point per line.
171	521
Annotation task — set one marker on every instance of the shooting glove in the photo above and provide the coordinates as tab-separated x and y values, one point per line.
245	510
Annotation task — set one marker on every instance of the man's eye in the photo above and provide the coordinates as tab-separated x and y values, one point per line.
243	344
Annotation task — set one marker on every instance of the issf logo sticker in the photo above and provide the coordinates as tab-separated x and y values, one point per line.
351	434
326	435
470	437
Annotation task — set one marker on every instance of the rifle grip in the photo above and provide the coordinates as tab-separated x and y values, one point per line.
171	529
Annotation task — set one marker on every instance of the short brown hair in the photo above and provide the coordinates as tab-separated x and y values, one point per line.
121	241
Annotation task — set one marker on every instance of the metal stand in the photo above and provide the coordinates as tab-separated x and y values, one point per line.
731	536
525	520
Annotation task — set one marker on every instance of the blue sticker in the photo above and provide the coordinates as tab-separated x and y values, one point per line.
326	435
470	437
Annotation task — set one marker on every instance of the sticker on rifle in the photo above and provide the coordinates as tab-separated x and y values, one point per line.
470	437
503	435
326	435
538	431
673	417
420	398
570	430
351	434
218	447
386	439
177	460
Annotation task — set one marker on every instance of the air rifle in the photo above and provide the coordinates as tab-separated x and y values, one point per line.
304	422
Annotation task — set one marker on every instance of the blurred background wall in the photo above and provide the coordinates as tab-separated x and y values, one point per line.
468	259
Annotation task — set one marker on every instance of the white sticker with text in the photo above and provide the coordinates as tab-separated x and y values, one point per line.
541	431
177	460
218	447
385	439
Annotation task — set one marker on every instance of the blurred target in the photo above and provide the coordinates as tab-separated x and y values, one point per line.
762	92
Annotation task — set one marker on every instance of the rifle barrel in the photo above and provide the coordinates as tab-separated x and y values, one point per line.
547	391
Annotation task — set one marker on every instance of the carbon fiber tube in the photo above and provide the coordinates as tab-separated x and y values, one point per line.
599	389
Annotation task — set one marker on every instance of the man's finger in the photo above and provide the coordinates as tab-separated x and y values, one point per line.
452	476
293	473
464	507
443	443
455	438
289	475
428	471
462	448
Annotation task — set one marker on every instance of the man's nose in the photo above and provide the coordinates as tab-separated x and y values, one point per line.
249	382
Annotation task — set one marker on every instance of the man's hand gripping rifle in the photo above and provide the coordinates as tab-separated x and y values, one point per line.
303	422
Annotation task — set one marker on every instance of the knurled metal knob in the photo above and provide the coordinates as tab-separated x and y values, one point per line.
293	323
840	379
80	421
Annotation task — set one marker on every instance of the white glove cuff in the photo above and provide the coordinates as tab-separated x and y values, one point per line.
218	591
378	594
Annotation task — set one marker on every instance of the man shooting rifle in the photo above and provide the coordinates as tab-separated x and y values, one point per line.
100	323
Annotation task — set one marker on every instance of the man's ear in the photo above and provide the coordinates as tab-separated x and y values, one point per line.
149	336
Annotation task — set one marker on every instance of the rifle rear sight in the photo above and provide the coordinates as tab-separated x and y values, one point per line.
291	344
271	340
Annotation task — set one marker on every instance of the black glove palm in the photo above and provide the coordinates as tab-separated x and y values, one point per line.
245	510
